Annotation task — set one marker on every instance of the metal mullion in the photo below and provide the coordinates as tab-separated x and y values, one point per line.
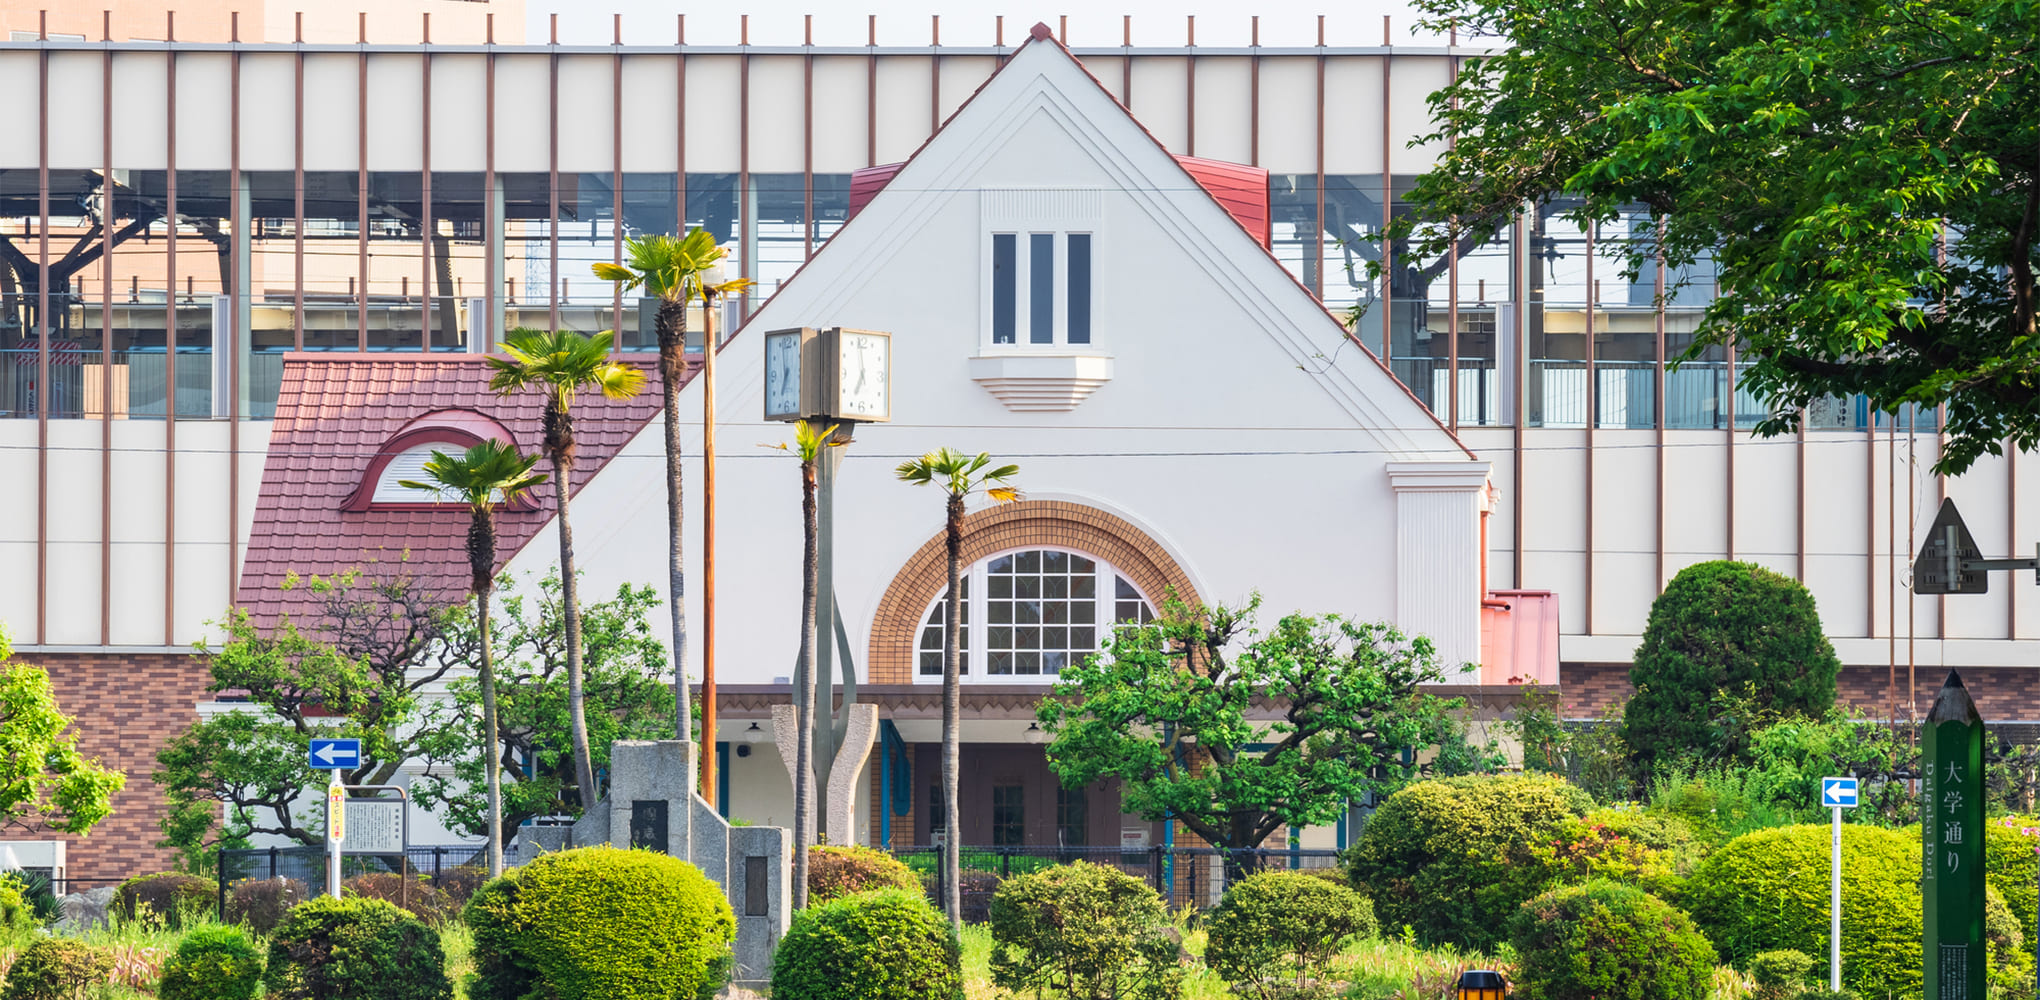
1387	297
109	201
680	130
552	168
616	187
1658	394
236	280
361	190
1452	277
1593	419
871	91
1519	265
1254	96
807	143
170	345
1190	86
42	337
298	184
492	237
426	223
747	250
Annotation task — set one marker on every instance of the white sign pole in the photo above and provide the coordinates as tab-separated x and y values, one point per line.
336	832
1835	906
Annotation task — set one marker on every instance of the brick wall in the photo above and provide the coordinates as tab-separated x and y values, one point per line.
124	707
2002	694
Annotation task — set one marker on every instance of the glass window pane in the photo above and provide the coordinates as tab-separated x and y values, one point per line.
1004	279
1080	288
1041	288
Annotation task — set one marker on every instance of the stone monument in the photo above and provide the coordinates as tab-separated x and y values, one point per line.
848	770
652	804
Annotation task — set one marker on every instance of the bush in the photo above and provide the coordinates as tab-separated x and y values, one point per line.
17	915
1725	627
883	945
459	884
1082	930
56	969
1768	890
1653	853
354	949
599	923
1606	940
414	894
2012	866
166	898
1451	858
1781	974
212	963
1278	922
261	903
835	872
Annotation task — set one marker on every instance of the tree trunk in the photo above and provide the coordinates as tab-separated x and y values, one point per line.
482	568
560	438
952	713
803	711
672	329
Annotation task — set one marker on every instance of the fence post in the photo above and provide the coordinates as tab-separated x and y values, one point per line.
220	873
438	860
1006	864
1155	867
272	862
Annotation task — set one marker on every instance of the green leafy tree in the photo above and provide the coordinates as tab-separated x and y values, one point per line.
959	475
1729	647
44	781
1171	709
1864	176
560	364
354	666
676	271
624	686
488	474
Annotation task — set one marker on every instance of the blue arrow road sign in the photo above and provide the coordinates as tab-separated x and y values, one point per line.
334	754
1838	792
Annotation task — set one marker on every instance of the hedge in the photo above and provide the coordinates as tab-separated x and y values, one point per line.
1277	924
350	948
212	963
1608	941
888	944
836	872
1768	890
1082	930
1453	858
600	923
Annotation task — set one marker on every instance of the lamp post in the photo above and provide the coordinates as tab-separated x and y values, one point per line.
1482	984
710	279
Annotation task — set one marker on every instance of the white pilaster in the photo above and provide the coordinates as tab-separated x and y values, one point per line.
1437	555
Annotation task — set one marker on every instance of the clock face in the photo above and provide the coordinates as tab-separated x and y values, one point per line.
782	374
866	377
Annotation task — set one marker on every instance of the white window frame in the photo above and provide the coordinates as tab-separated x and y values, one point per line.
1022	214
977	616
410	464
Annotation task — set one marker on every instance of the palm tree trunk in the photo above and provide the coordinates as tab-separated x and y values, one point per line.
491	756
804	712
570	611
952	713
672	328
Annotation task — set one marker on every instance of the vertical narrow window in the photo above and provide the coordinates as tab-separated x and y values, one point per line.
1041	288
1080	288
1072	817
1005	280
1009	815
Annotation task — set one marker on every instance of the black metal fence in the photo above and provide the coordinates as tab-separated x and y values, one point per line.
1193	877
436	865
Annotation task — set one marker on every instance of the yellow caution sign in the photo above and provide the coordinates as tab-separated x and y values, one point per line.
336	813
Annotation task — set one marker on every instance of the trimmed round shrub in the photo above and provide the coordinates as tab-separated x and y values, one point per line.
888	944
599	923
1453	858
2011	866
354	949
1768	890
56	968
212	963
835	872
1608	941
1724	627
166	898
1082	930
1282	923
261	903
1781	974
414	894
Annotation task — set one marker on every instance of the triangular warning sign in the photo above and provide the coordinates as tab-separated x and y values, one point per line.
1938	568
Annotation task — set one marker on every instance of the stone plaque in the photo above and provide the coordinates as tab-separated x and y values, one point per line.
757	887
648	824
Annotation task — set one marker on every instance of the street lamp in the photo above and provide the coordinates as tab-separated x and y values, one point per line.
1035	734
752	735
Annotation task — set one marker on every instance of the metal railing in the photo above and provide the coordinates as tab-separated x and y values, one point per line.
1193	877
434	864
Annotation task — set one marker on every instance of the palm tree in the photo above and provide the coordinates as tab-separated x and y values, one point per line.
676	271
561	363
960	475
808	442
489	473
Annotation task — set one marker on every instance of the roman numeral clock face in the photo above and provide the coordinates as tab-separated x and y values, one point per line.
864	389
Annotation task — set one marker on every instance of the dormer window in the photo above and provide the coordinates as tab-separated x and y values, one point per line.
404	455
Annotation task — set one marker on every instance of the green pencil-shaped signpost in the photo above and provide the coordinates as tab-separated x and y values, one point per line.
1951	829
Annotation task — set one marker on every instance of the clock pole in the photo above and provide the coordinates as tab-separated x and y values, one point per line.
708	692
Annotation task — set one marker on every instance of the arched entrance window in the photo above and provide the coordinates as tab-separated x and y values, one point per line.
1029	613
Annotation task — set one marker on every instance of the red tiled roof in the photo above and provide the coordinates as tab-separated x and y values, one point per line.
334	415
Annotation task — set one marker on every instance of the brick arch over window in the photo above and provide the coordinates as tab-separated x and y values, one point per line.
1028	523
